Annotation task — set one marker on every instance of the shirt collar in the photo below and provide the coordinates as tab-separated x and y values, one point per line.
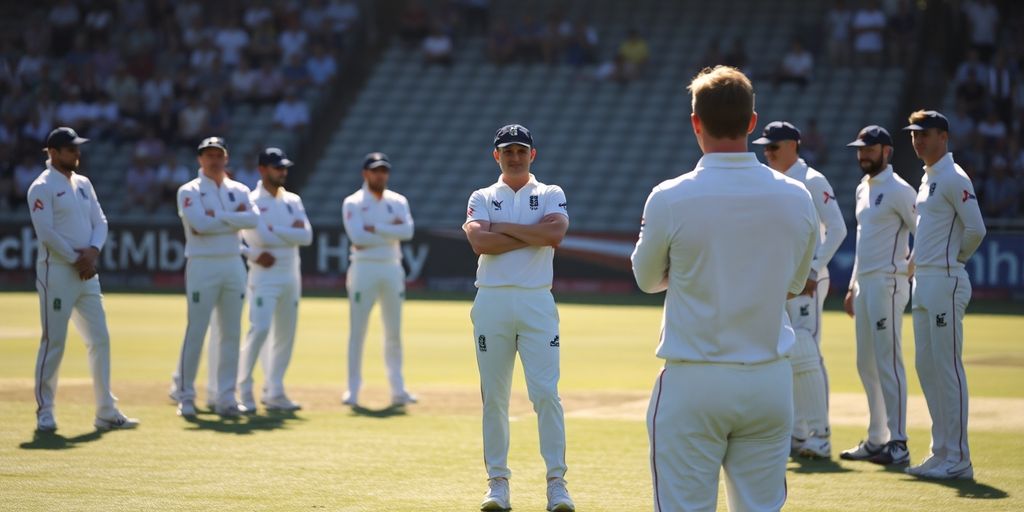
885	175
369	193
732	160
799	165
529	184
262	191
945	163
51	168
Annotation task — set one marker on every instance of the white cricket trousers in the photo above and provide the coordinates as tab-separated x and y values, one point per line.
878	303
368	281
939	305
507	320
810	379
64	296
707	416
211	283
272	306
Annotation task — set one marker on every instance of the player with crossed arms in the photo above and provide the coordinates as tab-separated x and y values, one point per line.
71	229
275	283
213	209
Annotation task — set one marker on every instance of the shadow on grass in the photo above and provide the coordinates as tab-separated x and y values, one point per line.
55	441
967	489
242	425
387	412
817	466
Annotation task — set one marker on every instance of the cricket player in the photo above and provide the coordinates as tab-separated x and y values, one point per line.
376	221
275	282
811	431
71	229
878	293
949	230
515	225
725	396
213	209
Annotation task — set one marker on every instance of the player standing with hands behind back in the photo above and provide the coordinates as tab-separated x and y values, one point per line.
515	225
724	327
71	229
949	230
213	209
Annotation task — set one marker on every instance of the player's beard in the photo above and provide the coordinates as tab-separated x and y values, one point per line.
377	187
67	165
872	167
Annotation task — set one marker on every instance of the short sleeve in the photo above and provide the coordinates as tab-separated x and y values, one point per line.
556	202
477	208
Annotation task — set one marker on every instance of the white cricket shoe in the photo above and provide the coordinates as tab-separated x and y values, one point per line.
497	497
816	447
949	470
558	496
45	422
930	462
349	399
404	399
118	422
863	451
281	403
187	409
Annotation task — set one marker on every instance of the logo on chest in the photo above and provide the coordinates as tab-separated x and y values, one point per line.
81	192
497	205
534	202
878	200
231	196
931	189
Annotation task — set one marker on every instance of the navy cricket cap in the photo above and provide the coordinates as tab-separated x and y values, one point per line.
871	135
375	160
932	119
213	142
63	137
274	157
513	134
778	131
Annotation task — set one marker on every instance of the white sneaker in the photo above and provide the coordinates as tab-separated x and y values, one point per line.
497	497
863	451
187	409
45	422
404	399
349	399
281	403
950	470
924	466
247	409
558	496
816	447
118	422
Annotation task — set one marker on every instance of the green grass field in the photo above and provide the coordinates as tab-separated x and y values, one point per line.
327	457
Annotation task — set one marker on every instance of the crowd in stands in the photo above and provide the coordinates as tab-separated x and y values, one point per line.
155	76
870	32
987	121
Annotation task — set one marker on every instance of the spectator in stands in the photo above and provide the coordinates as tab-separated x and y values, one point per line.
636	53
165	121
341	15
155	90
247	173
580	43
972	64
124	88
999	82
293	39
291	113
529	34
219	120
263	46
982	22
414	23
992	131
321	66
477	15
269	84
812	145
6	188
737	56
972	94
106	119
63	18
613	70
712	56
243	82
74	111
24	174
36	129
169	176
961	130
150	148
797	65
1001	191
141	189
868	27
501	43
294	73
192	121
231	39
902	29
551	43
257	13
437	48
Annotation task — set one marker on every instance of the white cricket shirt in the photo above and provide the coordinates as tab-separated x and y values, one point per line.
362	208
949	223
727	241
885	220
217	235
275	234
833	226
527	267
66	215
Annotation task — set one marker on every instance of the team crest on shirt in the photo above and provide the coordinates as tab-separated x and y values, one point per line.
497	205
931	189
38	205
534	202
968	195
289	207
828	197
940	320
878	200
880	324
231	196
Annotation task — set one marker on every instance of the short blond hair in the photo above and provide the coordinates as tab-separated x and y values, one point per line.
917	117
723	99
